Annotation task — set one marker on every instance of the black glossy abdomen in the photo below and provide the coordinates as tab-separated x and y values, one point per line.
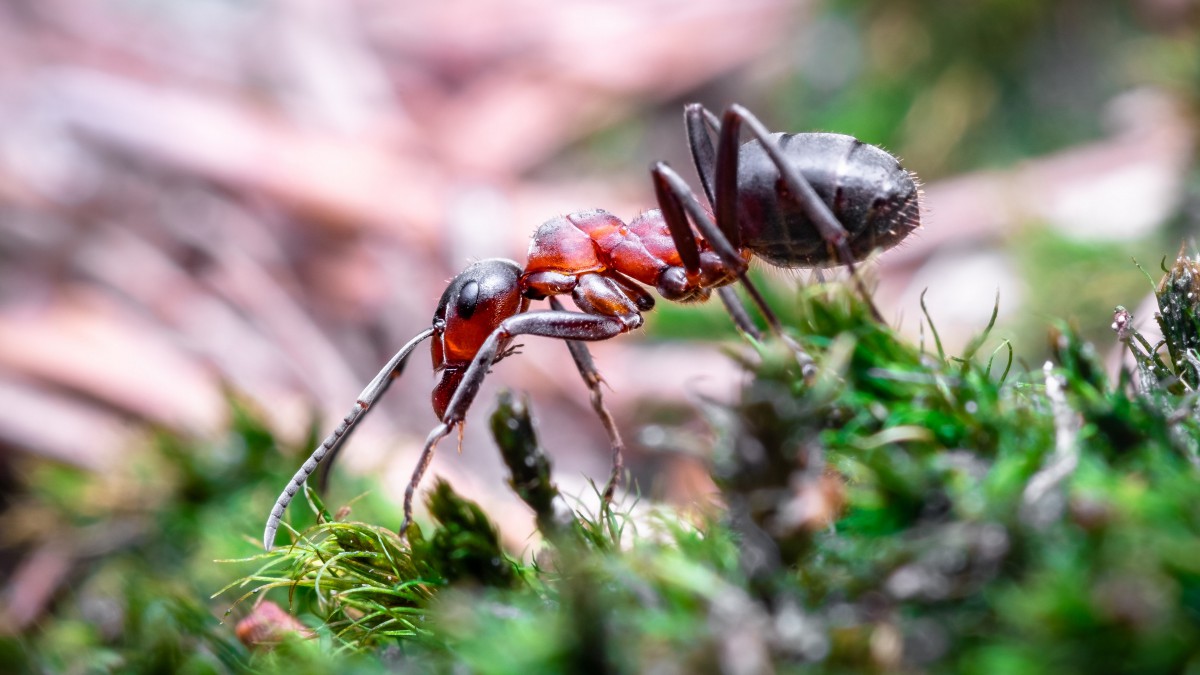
867	190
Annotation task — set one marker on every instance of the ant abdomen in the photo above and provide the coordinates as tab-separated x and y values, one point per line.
874	198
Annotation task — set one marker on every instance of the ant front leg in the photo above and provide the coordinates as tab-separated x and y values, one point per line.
554	324
800	190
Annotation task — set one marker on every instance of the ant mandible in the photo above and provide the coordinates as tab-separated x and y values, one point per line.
794	200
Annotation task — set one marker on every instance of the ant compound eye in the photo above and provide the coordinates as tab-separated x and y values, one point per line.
468	299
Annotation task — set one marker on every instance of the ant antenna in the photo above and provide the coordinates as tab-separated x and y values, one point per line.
333	441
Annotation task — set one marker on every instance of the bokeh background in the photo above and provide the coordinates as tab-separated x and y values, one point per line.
262	200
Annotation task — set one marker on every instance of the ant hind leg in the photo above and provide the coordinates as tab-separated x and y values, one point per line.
678	202
737	310
698	120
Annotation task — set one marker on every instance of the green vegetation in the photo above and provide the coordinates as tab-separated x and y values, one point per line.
884	507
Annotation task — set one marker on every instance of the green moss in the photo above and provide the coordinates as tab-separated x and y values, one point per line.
890	509
887	509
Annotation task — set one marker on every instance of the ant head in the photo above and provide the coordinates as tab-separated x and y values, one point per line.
472	307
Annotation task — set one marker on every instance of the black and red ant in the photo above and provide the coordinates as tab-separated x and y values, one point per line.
795	200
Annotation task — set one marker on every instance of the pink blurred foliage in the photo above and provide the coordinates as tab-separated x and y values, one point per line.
270	196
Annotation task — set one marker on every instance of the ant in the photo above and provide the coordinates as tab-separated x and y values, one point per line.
807	200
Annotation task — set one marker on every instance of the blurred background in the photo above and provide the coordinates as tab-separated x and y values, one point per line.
261	201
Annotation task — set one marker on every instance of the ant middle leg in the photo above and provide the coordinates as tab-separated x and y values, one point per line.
592	378
800	190
553	324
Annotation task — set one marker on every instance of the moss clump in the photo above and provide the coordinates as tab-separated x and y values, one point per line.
889	510
883	508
